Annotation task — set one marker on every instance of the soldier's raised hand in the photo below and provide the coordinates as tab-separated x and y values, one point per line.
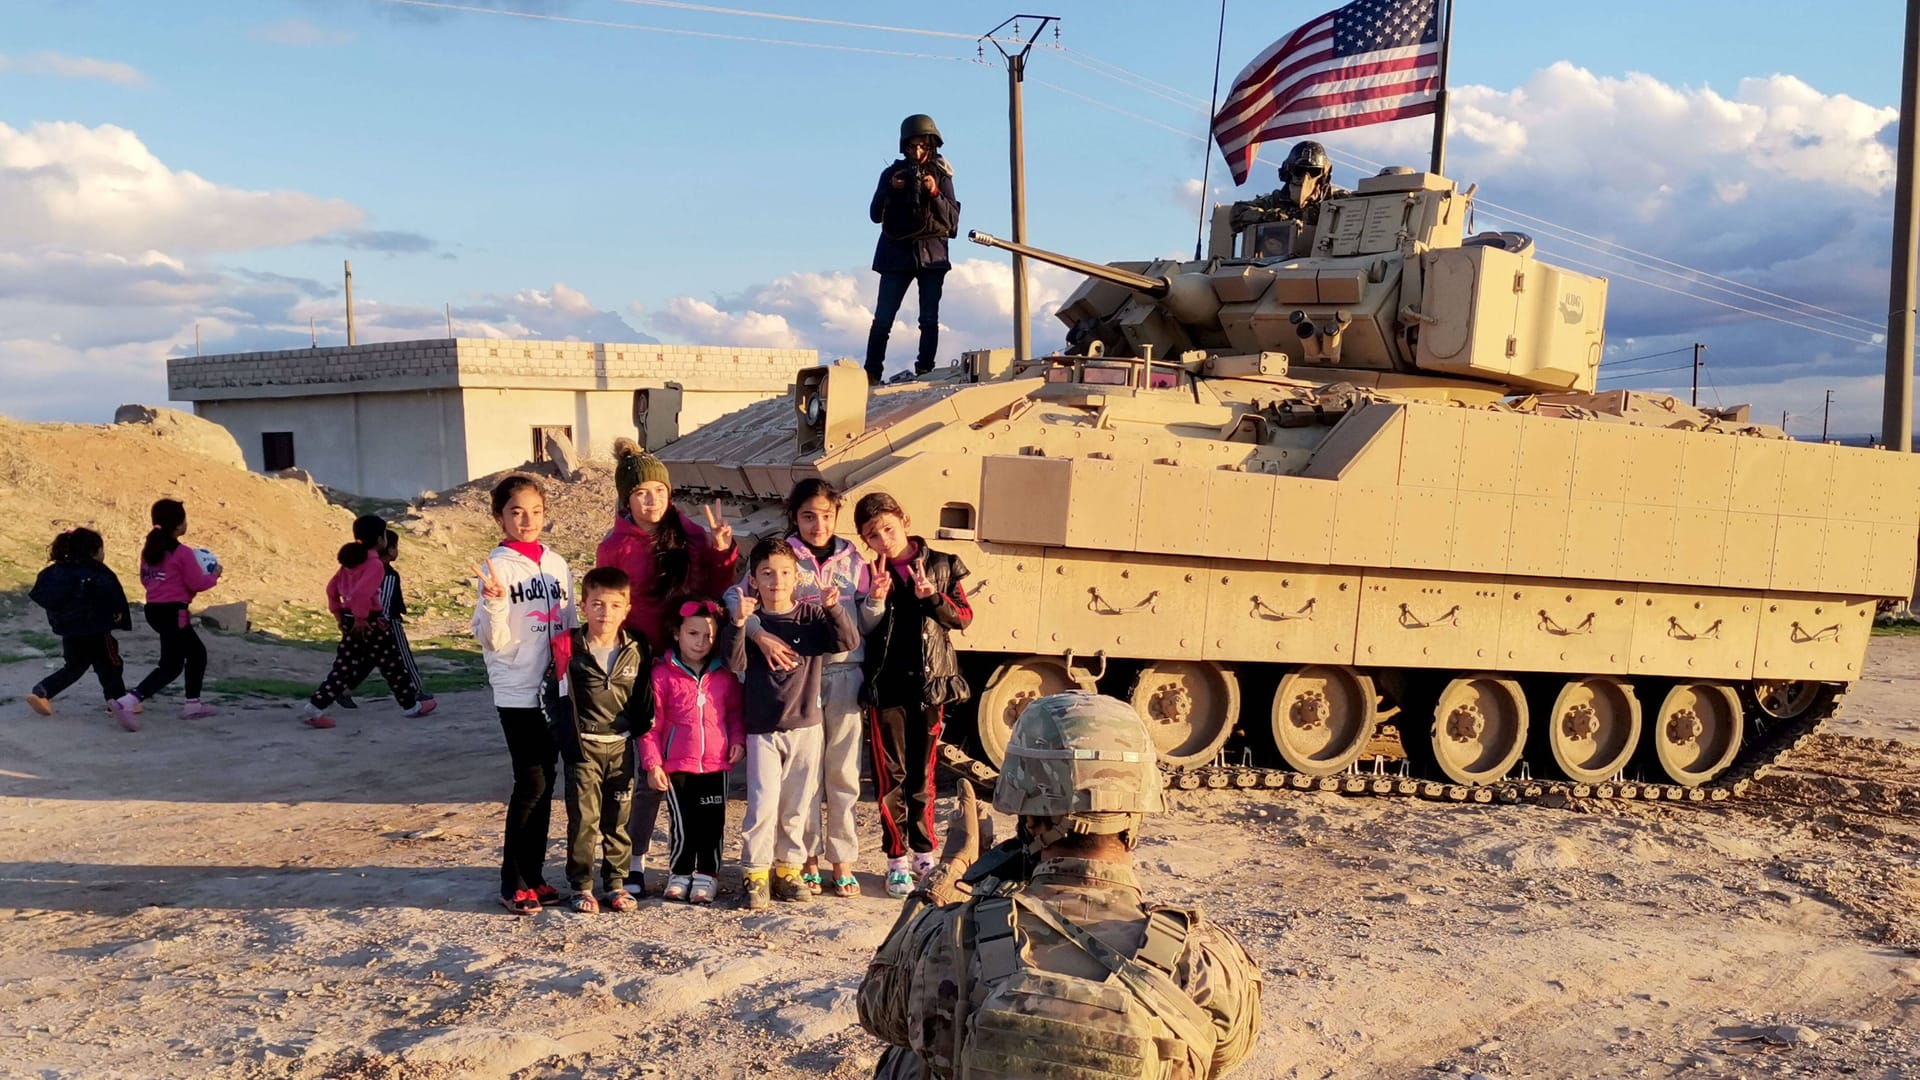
490	587
717	526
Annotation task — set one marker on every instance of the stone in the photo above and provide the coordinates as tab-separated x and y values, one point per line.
139	950
560	451
229	617
481	1052
190	431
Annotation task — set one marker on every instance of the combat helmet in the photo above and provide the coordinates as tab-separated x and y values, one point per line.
1306	156
1084	761
917	125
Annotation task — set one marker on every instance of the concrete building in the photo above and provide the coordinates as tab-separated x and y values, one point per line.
394	419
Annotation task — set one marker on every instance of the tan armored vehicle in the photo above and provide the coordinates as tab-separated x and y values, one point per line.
1364	508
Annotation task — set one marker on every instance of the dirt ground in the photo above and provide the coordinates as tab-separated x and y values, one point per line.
244	897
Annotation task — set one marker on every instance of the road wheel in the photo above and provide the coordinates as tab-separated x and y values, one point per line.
1190	708
1323	717
1012	687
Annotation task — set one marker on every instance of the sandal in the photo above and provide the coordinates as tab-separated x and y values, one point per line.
846	886
677	887
583	903
811	879
547	895
521	903
619	900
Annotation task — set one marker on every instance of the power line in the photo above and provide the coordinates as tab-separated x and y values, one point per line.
442	5
1650	356
710	9
1649	371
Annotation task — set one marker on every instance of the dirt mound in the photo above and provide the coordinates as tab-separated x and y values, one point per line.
185	429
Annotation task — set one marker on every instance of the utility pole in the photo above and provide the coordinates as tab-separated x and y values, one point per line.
349	263
1699	351
1016	137
1826	415
1897	414
1783	421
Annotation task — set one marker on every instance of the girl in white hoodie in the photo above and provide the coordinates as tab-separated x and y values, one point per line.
522	619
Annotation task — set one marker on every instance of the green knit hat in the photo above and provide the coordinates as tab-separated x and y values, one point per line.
632	467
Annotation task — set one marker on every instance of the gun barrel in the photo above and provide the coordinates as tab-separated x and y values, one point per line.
1152	286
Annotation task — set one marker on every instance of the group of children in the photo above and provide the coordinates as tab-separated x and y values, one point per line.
671	669
86	603
668	673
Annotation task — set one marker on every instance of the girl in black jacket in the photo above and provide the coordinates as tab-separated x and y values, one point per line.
85	605
912	675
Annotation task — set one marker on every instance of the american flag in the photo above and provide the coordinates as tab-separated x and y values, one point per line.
1366	63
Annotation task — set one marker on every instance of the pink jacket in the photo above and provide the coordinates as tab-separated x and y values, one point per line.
696	718
630	548
177	579
355	590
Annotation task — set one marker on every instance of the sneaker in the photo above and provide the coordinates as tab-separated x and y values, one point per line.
678	886
787	886
420	708
346	701
759	895
40	703
923	864
315	718
195	710
125	711
899	878
704	889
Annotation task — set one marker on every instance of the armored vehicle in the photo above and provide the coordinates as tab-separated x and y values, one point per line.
1355	517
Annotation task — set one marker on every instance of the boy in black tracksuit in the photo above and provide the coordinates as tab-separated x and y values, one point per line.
604	704
912	675
85	605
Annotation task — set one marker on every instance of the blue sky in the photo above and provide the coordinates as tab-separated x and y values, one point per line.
582	180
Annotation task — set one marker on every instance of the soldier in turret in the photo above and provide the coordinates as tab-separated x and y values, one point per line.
1306	180
1002	983
917	212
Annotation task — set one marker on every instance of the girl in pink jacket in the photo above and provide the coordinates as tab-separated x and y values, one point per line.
172	574
697	735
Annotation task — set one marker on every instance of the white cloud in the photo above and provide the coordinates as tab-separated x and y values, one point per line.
100	188
74	67
300	33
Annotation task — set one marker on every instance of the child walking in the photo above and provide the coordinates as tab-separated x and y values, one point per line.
366	640
828	561
600	703
172	575
782	719
85	605
522	619
394	604
912	676
697	736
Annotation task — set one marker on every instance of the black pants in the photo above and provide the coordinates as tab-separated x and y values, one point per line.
82	651
523	851
893	289
697	808
403	649
180	648
361	650
646	814
904	744
598	787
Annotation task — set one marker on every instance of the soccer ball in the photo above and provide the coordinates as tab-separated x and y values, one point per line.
209	562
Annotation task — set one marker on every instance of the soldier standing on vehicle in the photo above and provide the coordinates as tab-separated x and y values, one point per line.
1306	180
917	213
1064	971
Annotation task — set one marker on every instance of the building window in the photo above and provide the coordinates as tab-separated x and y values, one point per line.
540	439
276	450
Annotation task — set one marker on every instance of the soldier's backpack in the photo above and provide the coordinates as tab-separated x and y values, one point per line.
1135	1024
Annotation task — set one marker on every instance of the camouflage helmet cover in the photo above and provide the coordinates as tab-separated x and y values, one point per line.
916	126
1085	757
1306	156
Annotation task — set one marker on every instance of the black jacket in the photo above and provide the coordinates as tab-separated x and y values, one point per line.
787	700
934	667
601	702
82	599
914	226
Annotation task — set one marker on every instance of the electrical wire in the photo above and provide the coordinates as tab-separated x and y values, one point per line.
1649	371
443	5
1650	356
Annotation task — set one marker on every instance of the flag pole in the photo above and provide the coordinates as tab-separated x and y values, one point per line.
1206	167
1440	98
1896	418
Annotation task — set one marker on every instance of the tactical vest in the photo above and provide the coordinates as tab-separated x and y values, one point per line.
1135	1024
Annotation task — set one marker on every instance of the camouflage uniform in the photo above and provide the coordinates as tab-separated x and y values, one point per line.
908	997
1078	764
